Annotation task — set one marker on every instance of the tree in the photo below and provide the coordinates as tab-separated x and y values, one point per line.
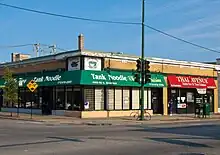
11	87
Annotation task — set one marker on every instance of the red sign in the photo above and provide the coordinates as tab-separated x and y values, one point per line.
191	82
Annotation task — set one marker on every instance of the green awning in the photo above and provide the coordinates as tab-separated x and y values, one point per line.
51	78
117	78
87	77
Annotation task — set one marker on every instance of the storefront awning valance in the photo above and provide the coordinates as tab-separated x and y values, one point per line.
117	78
191	82
87	77
48	79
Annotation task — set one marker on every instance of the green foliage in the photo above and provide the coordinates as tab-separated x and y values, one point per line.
11	87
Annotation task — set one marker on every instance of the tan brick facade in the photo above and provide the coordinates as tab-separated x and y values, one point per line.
36	67
124	63
161	67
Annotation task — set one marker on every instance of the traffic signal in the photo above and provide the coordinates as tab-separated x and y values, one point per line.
138	65
137	77
147	71
147	64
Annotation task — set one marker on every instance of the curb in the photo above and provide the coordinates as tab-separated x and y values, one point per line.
20	119
98	124
153	122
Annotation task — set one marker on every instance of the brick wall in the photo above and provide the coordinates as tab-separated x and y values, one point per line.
163	68
34	67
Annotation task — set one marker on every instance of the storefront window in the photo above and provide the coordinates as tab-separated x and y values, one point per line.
99	98
135	98
118	98
110	98
60	98
126	98
28	99
89	98
69	98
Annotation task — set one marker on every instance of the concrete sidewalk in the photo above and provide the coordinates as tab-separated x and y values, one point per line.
53	120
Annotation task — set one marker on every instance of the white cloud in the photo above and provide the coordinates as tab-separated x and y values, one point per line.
207	35
174	6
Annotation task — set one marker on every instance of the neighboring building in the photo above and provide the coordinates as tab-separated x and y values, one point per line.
19	57
85	83
218	72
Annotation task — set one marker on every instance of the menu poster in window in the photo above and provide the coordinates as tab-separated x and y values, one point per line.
181	105
86	105
189	97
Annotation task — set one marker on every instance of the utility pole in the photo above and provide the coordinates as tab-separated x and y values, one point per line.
53	47
36	49
142	63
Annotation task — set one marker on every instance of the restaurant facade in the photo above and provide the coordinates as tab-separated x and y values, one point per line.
188	91
60	93
84	83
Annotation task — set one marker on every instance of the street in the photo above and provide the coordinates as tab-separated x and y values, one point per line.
29	138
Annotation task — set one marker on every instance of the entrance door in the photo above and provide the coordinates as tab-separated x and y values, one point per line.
77	100
47	100
156	100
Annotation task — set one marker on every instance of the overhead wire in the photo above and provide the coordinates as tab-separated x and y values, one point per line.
182	40
25	45
15	46
110	22
66	16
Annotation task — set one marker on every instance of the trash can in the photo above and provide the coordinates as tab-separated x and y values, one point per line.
206	109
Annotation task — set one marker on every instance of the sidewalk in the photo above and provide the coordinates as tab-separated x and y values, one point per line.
53	120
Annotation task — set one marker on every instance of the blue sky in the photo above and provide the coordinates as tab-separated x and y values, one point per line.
194	20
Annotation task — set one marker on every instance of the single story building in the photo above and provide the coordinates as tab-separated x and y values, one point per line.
86	83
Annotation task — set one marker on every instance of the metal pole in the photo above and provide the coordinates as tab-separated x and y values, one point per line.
32	104
18	102
142	63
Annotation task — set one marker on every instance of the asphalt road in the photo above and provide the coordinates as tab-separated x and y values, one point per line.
23	138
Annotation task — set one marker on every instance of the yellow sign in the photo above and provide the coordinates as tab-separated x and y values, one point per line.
32	85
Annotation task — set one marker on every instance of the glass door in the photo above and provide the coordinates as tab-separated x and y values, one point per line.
156	100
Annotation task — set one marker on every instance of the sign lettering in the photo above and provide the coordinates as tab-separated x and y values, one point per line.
191	82
118	78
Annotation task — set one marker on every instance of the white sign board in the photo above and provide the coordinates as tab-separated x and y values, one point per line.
92	63
74	63
181	105
201	90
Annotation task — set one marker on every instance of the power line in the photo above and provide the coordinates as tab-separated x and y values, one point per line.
15	46
25	45
183	40
108	21
52	45
70	17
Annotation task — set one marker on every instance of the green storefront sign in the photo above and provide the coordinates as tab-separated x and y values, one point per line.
49	79
52	78
85	77
117	78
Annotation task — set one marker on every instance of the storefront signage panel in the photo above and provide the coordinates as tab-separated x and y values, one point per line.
51	79
74	63
117	78
86	77
91	63
191	82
